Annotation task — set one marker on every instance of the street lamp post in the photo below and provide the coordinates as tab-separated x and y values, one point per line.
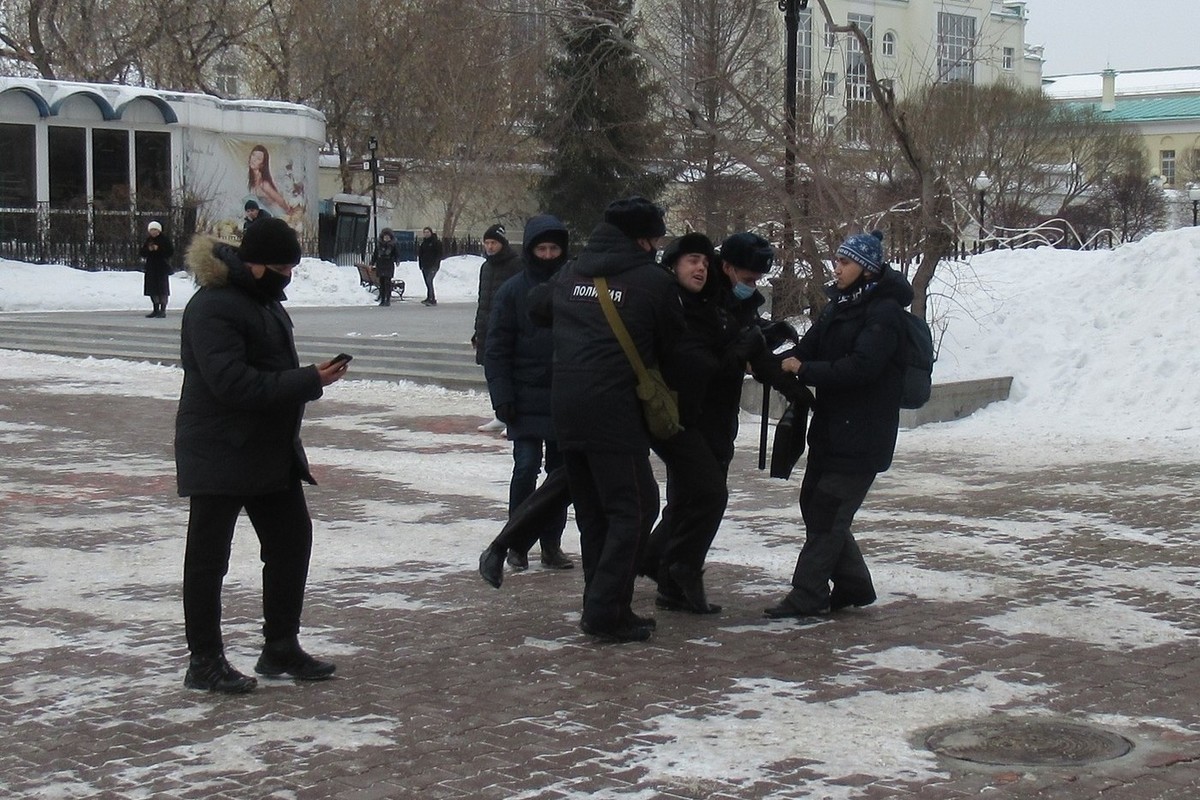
372	146
982	184
1194	196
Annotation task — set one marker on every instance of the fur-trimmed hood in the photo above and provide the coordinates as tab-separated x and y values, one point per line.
214	263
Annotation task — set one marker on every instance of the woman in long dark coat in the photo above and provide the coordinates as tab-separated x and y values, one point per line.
157	250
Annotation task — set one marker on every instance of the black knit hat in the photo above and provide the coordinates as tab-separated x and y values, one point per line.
748	251
251	205
496	233
636	217
270	241
688	243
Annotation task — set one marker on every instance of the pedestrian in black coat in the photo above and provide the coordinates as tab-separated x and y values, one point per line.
156	282
237	445
597	415
429	261
518	363
501	262
384	259
707	371
852	356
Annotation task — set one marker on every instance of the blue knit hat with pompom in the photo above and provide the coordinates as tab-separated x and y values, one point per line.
864	249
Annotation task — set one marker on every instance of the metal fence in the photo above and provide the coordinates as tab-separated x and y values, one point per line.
94	238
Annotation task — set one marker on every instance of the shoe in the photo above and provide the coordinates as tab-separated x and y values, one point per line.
838	601
162	313
518	561
624	632
491	567
787	609
152	314
491	427
645	622
556	559
213	674
287	657
691	586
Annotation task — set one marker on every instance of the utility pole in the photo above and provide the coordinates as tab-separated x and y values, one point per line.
372	146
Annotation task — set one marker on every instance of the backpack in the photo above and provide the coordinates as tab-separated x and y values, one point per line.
917	360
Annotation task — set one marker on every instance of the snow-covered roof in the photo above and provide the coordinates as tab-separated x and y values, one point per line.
1178	80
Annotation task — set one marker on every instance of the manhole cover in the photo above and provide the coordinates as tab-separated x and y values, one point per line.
1027	742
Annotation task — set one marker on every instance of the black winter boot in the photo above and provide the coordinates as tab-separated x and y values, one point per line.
286	657
213	674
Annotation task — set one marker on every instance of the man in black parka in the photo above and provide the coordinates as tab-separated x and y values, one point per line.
852	355
518	362
237	445
597	415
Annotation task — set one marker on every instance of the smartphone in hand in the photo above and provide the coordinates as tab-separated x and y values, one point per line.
341	357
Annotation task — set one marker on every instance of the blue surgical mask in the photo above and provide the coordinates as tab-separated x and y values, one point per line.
743	291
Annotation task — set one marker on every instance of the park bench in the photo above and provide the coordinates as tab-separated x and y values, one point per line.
370	279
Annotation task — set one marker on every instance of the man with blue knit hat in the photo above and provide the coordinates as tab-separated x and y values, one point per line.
852	356
594	403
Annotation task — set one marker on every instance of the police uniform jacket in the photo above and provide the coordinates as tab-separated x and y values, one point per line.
593	398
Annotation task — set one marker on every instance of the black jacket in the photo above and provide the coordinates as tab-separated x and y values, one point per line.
494	271
386	254
519	355
429	252
851	356
237	430
593	397
158	265
703	368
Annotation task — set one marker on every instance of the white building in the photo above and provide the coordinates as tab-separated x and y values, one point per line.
94	161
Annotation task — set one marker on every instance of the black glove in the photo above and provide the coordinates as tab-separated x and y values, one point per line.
748	344
777	332
506	412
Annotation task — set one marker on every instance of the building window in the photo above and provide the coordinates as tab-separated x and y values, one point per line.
889	44
68	166
1009	59
829	84
804	56
227	79
956	48
18	178
830	124
830	37
152	166
1166	163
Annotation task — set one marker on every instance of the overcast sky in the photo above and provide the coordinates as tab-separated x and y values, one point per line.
1090	35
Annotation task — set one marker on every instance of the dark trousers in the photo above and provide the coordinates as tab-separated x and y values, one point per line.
545	508
385	287
616	502
527	465
284	531
828	503
428	274
696	497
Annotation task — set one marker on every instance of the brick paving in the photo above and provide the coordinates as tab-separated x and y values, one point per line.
1067	592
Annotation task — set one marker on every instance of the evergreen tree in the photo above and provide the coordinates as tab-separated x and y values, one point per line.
600	141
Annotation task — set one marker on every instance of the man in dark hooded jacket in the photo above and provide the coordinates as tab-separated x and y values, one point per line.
518	362
852	355
597	415
237	446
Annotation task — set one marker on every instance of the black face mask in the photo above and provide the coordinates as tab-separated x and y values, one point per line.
548	267
272	283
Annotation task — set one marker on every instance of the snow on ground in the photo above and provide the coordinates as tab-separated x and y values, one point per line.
1099	347
1097	342
53	287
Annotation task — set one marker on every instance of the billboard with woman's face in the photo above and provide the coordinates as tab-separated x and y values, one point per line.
275	174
